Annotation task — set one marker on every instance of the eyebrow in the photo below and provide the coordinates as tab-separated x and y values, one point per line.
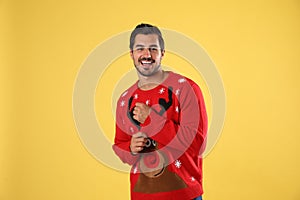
152	45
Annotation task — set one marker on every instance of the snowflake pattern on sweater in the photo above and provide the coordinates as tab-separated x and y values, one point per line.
177	125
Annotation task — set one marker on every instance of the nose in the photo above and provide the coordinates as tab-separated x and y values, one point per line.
147	53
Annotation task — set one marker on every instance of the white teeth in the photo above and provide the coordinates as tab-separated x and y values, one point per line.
145	62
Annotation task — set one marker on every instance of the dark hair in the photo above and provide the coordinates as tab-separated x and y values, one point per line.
146	29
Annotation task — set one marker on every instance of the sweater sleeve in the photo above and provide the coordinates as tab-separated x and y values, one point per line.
190	133
122	140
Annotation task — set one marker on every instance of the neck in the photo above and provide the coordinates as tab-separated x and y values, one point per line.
149	82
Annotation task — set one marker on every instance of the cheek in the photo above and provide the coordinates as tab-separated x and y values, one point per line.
158	57
135	56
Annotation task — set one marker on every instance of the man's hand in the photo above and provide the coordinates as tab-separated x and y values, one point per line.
138	142
141	112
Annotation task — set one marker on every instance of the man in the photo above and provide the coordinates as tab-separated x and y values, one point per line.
161	125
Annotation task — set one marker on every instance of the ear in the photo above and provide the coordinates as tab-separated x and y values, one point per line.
162	53
131	53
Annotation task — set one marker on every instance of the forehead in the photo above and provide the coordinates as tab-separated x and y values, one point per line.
146	40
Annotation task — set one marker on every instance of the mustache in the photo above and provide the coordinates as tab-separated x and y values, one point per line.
146	59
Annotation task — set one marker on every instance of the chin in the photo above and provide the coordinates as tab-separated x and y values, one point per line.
147	74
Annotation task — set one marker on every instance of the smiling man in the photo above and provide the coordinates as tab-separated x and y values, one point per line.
161	125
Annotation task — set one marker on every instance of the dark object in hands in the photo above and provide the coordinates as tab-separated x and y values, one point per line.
150	146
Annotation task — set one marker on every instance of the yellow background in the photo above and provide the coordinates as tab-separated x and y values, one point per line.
255	45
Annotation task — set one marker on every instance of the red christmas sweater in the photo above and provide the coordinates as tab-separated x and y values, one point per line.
170	166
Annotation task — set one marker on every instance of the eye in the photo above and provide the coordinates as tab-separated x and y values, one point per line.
140	49
153	49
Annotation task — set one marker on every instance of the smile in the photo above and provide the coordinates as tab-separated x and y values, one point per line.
146	61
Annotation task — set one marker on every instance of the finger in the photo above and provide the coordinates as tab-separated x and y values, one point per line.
135	112
136	109
139	144
140	105
139	149
139	134
140	141
136	117
138	138
142	135
136	149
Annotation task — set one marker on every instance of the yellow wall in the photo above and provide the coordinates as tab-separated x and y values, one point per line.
255	45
